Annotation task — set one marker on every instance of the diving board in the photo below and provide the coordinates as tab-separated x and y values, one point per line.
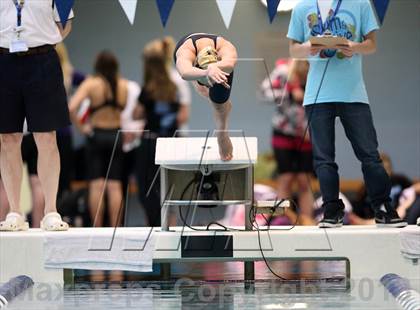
370	251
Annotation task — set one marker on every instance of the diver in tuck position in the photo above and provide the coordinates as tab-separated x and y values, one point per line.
209	61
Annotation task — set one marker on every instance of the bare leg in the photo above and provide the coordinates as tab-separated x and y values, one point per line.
172	219
96	210
48	168
201	90
11	168
284	185
221	115
95	204
306	200
115	198
4	203
38	201
114	190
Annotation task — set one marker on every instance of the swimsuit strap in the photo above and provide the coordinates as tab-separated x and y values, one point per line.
195	37
107	103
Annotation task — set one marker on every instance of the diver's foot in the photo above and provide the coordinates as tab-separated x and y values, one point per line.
225	146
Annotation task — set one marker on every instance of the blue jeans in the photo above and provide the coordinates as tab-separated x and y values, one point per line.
356	119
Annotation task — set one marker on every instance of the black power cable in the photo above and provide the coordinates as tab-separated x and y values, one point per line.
189	205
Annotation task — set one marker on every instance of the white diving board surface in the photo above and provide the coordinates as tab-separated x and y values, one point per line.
188	153
371	252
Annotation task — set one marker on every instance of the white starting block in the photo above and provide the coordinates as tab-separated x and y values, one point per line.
187	161
191	153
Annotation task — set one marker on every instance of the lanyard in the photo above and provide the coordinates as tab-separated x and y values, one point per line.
19	7
326	25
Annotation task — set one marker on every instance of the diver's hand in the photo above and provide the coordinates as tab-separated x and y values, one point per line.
216	76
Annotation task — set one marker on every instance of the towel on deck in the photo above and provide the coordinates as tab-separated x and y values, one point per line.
97	249
410	242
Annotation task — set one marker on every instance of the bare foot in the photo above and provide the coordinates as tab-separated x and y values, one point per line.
225	146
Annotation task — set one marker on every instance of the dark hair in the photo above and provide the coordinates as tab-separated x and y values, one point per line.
106	66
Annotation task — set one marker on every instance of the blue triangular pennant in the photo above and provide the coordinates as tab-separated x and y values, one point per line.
381	7
272	6
165	7
64	8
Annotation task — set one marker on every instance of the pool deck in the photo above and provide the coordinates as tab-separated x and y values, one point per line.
370	251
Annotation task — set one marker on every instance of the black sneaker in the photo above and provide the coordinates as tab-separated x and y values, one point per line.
333	214
386	216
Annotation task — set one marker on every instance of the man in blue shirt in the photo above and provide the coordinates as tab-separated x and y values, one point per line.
335	88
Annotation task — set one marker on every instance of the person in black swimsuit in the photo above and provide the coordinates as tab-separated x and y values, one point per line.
108	95
107	92
209	60
161	108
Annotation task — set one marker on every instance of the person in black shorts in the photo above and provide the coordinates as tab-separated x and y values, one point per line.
107	92
209	60
31	88
108	95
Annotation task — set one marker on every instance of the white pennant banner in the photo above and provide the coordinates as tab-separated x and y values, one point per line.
129	7
226	8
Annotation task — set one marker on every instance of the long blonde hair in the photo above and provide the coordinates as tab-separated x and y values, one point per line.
66	66
157	62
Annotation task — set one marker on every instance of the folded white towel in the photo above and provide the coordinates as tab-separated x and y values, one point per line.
129	249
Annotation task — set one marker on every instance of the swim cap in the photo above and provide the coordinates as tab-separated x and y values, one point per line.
205	57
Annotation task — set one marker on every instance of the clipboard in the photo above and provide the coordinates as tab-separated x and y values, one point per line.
328	40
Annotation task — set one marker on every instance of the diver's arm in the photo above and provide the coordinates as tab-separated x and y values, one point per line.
228	55
185	67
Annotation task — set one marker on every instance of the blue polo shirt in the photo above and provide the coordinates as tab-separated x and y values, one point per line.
343	81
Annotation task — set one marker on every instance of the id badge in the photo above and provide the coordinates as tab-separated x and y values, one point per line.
17	45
